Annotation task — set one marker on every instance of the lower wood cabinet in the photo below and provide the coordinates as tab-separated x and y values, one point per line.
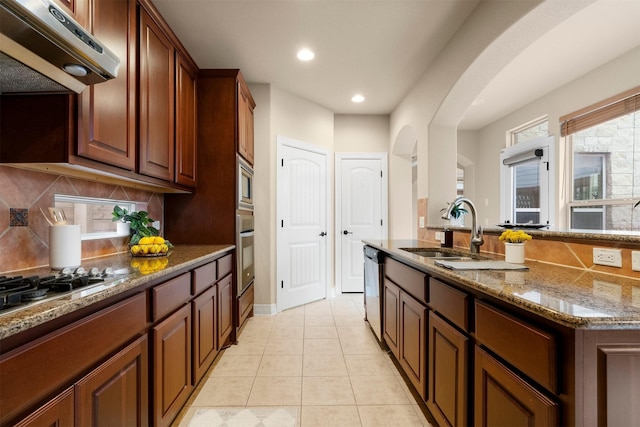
132	363
391	322
405	332
225	309
171	346
502	398
57	412
205	335
116	393
413	342
448	373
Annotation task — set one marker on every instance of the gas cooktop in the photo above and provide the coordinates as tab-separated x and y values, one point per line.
17	292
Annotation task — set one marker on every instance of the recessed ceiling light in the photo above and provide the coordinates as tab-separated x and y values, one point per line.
305	55
357	98
478	101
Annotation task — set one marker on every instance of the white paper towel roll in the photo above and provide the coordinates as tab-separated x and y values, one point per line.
65	247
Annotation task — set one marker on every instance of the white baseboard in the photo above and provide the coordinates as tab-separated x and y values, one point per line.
264	309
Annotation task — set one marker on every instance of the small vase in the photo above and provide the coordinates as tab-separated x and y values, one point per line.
514	253
123	228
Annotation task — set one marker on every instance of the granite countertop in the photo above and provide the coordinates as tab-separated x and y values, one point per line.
130	273
575	298
551	233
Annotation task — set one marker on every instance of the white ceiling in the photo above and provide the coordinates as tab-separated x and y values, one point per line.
380	48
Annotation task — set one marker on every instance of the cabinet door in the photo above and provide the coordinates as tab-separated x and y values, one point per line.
448	376
171	366
245	123
107	111
156	98
413	342
186	126
225	309
502	398
204	332
57	412
116	393
391	317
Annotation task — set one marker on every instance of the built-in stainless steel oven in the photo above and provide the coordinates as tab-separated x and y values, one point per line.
246	269
245	185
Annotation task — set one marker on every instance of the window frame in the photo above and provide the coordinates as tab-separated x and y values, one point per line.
546	173
596	114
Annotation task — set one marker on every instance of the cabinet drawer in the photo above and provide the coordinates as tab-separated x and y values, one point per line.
225	266
450	303
411	280
203	277
170	295
528	348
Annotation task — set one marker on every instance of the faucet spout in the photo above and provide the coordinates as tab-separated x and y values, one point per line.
476	230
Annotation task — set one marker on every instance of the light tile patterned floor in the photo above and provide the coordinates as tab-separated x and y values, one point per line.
311	366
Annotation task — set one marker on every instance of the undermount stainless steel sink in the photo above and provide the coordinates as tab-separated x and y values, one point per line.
436	253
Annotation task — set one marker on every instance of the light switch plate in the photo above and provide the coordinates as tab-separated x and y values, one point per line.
421	221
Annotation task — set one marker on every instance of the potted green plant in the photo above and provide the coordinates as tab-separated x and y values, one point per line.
139	223
457	212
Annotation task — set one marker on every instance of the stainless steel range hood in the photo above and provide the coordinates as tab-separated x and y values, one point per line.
42	49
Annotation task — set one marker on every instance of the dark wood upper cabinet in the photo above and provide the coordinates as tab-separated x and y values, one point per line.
140	126
246	104
107	111
186	121
156	119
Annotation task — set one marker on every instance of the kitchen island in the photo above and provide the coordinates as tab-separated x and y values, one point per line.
549	346
128	351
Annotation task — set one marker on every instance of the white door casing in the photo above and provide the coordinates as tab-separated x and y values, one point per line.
302	239
361	211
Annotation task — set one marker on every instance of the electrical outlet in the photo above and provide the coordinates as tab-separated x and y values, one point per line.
635	260
439	236
421	221
609	257
156	224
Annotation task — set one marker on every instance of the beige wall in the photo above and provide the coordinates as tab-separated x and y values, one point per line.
361	133
621	74
493	35
278	113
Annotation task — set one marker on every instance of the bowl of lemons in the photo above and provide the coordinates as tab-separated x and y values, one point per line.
151	246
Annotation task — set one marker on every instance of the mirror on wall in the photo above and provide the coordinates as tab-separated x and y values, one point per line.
95	215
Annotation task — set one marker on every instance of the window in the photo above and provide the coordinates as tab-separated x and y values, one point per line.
527	182
605	173
94	215
533	129
460	180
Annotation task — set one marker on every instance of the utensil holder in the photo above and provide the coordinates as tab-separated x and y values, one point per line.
65	246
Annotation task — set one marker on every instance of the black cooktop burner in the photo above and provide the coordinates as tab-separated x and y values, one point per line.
19	291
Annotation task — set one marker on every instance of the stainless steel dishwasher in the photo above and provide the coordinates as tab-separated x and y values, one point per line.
373	289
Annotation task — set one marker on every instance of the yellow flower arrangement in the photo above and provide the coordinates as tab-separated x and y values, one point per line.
514	236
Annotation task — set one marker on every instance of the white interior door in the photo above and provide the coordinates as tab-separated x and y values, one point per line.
302	229
361	213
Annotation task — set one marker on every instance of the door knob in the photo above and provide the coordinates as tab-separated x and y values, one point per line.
345	232
323	234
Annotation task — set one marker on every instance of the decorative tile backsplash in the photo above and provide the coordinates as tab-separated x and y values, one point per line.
24	232
18	217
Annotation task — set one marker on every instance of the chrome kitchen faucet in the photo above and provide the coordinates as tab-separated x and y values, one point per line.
476	230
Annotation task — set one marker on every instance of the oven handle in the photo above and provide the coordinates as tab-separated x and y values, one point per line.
248	233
